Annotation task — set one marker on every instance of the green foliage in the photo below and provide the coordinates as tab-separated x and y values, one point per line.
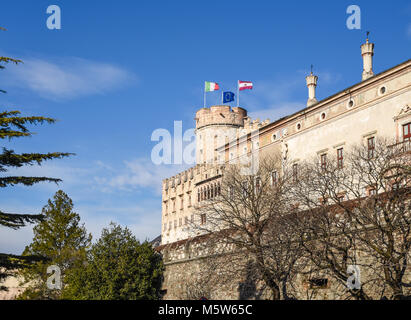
118	268
13	125
61	239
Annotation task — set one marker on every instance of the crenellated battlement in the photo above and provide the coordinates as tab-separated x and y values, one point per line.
220	115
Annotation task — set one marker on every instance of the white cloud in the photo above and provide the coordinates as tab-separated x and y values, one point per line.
139	173
68	78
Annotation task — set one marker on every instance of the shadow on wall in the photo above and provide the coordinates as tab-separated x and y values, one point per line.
247	290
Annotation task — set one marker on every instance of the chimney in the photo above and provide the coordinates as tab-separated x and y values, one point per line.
367	51
311	84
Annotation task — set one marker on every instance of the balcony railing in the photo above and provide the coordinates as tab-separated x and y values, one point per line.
401	147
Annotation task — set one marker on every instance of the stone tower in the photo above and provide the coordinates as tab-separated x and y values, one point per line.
216	126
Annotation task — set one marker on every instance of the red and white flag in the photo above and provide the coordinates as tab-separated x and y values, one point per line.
243	85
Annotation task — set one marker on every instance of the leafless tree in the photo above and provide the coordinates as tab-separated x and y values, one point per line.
357	212
249	218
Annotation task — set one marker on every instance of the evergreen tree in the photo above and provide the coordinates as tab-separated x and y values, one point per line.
61	239
13	125
118	268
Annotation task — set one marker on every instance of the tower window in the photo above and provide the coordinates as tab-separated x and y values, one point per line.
203	218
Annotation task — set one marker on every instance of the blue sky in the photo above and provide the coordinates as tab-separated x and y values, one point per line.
118	70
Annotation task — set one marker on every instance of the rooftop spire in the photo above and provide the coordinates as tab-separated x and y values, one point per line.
311	84
367	52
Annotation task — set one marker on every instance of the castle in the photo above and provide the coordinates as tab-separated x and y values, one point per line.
378	106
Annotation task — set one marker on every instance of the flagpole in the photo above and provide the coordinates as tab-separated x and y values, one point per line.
222	97
204	95
238	95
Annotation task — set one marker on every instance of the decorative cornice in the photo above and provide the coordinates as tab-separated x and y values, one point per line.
406	110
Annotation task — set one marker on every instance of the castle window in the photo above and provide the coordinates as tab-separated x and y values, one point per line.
372	191
245	187
257	184
175	224
219	189
182	203
208	192
170	225
371	147
180	222
185	220
295	172
406	132
274	178
324	162
340	158
382	90
212	191
198	195
189	200
318	283
231	193
350	103
341	197
203	218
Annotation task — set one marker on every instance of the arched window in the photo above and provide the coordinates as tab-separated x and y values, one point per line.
219	189
208	192
212	191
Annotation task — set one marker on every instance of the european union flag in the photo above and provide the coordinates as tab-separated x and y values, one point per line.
228	96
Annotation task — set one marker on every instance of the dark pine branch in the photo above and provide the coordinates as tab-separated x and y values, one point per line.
27	181
10	159
16	221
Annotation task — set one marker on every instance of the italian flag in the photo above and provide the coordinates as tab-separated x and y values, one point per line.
211	86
